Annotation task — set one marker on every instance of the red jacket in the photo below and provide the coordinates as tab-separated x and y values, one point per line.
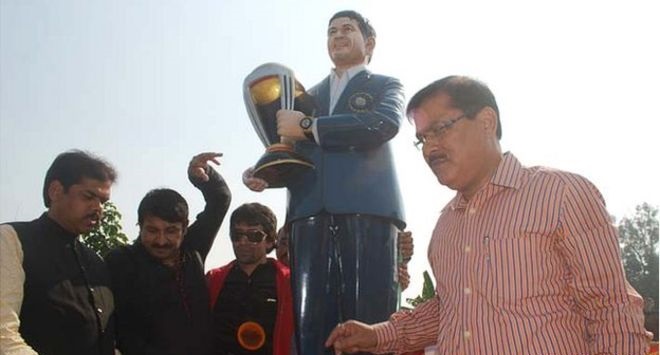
283	332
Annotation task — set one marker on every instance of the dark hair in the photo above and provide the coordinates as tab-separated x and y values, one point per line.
365	27
69	168
256	214
165	204
467	94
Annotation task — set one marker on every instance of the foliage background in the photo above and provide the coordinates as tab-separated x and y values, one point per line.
108	234
638	237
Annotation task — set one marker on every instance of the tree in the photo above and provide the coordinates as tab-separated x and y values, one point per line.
428	292
638	236
108	233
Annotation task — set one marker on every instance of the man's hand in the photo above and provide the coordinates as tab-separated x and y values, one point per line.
406	246
253	183
404	277
288	125
198	164
352	336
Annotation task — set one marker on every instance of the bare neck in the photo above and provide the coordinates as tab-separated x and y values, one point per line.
341	69
489	168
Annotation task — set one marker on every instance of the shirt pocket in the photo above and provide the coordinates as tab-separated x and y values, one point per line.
518	265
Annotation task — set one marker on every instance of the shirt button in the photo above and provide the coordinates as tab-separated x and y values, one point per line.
467	335
468	249
467	291
99	310
472	210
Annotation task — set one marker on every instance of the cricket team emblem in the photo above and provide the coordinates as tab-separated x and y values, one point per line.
361	102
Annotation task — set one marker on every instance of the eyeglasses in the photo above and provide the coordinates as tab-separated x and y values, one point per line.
436	132
255	236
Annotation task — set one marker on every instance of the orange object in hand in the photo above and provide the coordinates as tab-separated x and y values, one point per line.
251	335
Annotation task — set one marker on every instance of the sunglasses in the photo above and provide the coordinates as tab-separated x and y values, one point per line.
255	236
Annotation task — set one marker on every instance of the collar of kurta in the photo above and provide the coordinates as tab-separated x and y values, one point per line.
55	229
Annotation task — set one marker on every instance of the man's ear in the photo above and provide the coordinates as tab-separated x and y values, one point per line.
184	230
488	117
370	44
55	191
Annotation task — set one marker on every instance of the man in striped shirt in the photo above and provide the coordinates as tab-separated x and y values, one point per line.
526	259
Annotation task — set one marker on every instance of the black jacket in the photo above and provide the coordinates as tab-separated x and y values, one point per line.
154	314
67	304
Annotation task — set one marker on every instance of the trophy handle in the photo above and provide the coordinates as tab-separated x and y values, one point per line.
287	100
288	96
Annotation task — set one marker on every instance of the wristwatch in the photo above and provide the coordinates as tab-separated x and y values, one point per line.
306	125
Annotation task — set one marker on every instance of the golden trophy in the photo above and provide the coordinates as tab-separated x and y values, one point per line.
269	88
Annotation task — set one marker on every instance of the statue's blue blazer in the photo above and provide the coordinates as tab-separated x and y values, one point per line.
354	171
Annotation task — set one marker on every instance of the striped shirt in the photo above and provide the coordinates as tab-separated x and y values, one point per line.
529	265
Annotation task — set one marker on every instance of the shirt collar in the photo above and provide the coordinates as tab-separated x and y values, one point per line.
509	174
351	72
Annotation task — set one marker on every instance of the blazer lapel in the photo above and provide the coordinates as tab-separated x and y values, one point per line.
322	96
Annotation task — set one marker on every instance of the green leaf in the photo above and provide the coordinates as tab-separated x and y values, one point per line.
108	234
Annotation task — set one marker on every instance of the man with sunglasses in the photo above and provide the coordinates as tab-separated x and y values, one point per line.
251	296
526	259
158	281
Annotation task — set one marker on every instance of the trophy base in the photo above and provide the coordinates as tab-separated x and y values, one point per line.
280	164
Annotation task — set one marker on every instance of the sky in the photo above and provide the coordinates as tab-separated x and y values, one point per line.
148	84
